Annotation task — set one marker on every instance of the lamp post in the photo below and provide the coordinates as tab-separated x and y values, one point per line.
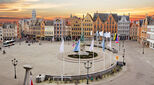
88	65
123	56
123	43
14	62
143	47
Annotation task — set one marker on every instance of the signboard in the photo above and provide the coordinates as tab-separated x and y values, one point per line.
117	58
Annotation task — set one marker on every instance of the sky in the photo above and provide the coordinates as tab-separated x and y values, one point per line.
63	8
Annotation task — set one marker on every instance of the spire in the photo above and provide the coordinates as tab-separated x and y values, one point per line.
71	16
33	14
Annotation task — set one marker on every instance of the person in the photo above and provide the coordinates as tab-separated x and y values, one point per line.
4	52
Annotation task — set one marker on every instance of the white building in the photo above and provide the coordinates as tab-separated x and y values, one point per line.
59	28
150	31
1	35
123	27
150	36
49	30
9	31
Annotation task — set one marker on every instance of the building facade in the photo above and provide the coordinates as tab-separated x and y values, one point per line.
1	35
87	27
150	32
9	31
140	22
133	31
106	23
150	36
49	30
59	28
37	29
76	28
124	27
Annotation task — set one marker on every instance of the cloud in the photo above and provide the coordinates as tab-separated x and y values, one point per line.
9	10
46	6
23	5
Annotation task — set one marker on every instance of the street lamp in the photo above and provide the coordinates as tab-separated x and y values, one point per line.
143	47
123	43
88	65
123	56
14	62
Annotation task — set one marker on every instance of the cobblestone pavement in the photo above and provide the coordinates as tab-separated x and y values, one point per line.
139	69
45	59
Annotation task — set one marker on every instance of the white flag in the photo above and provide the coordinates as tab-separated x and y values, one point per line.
92	45
91	32
101	33
62	46
53	39
107	34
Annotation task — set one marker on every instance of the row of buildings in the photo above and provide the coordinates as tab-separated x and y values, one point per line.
71	28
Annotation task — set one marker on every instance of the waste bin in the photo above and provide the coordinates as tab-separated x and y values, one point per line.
38	79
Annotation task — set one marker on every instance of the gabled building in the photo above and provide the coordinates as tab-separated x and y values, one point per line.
49	30
140	22
59	28
105	22
133	30
37	29
9	31
150	32
123	27
87	27
76	28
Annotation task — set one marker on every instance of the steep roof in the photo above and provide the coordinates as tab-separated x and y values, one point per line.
104	16
6	25
48	23
127	18
150	20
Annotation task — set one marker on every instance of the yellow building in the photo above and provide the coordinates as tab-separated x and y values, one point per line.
76	28
38	28
87	27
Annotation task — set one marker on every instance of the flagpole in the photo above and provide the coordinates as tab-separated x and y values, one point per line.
79	61
104	60
63	66
79	57
110	53
93	58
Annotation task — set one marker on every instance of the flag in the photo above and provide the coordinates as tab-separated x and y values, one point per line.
103	45
62	46
31	82
97	33
53	39
114	37
91	32
101	33
77	47
73	43
107	34
82	37
92	45
117	39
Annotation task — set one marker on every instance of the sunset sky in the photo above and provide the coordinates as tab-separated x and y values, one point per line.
63	8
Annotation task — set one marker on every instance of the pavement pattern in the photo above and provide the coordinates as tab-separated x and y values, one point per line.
45	59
